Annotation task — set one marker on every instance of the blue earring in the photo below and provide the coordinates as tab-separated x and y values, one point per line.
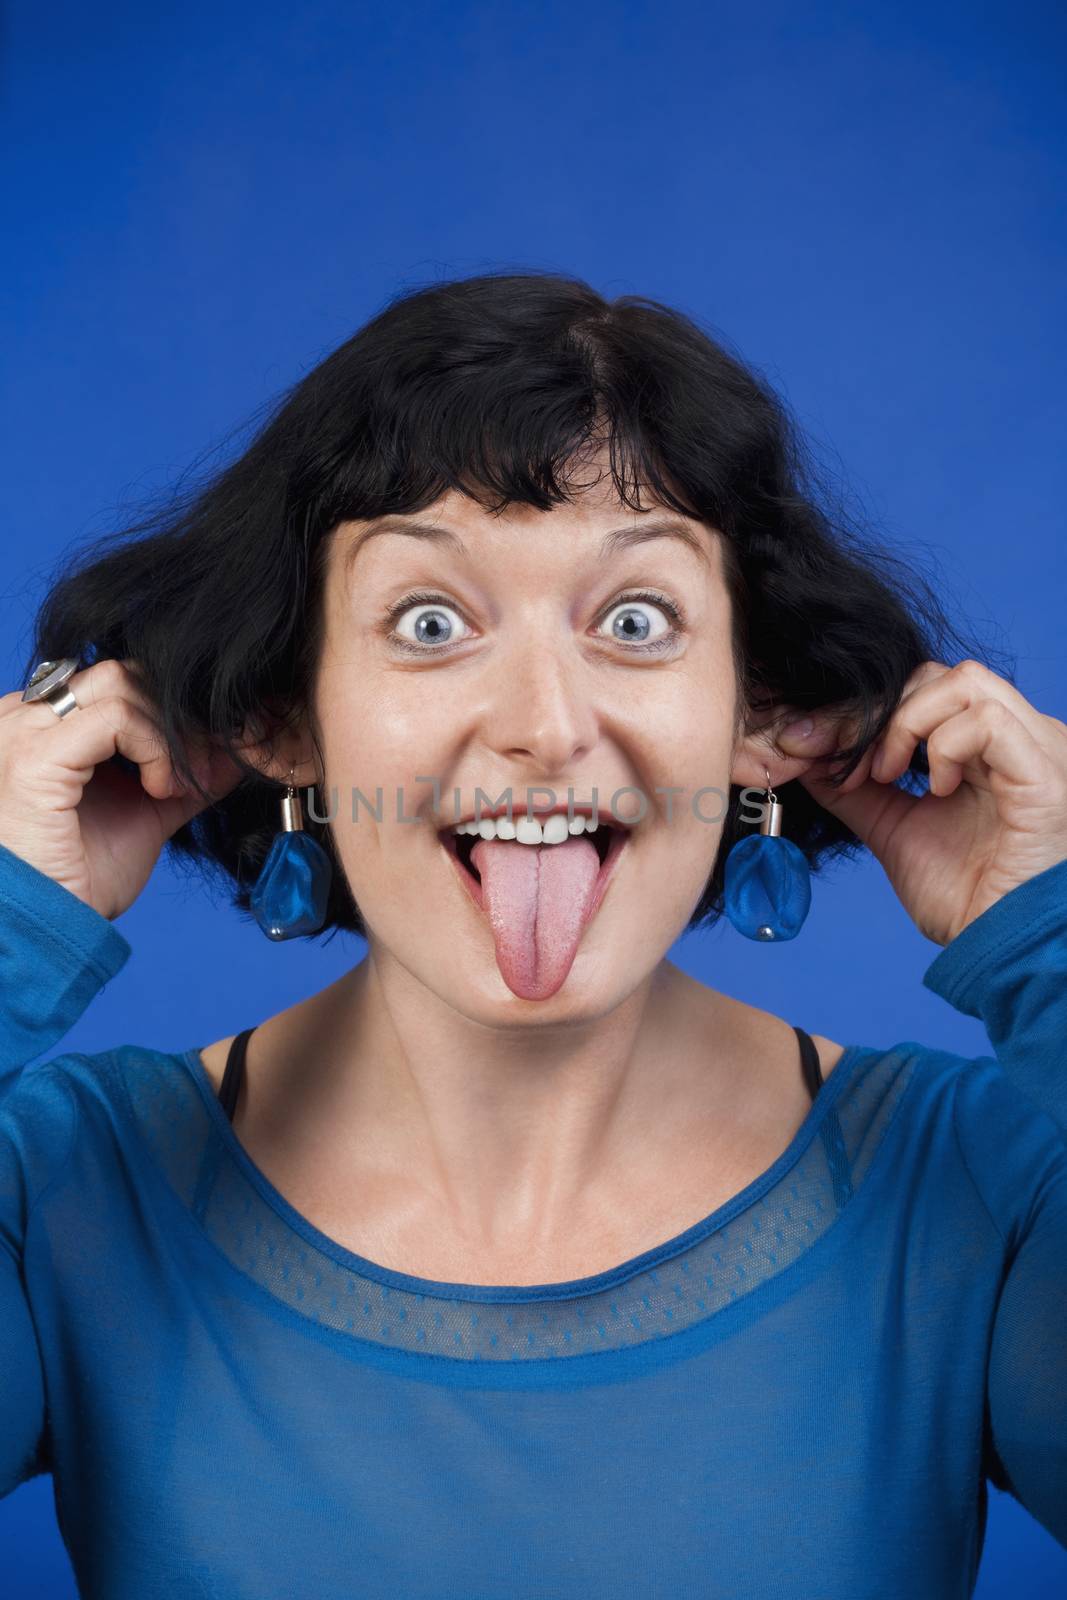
767	881
293	887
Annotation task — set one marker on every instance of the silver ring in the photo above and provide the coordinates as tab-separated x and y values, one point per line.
49	683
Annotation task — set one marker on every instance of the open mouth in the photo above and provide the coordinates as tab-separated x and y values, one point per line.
546	880
461	845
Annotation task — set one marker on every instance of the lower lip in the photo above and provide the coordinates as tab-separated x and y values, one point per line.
619	841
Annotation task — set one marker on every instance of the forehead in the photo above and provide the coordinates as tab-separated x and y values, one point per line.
597	523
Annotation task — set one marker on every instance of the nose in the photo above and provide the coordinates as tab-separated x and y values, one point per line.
541	713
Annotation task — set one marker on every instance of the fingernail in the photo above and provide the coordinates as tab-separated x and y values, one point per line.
800	730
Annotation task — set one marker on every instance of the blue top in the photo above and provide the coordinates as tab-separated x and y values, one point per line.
801	1395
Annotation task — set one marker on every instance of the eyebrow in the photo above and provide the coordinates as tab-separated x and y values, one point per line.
618	539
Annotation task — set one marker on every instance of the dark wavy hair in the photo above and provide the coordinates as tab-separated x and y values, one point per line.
498	386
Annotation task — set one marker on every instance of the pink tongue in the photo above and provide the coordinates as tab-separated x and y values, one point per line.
538	899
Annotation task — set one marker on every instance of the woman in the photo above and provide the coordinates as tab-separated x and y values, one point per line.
517	1261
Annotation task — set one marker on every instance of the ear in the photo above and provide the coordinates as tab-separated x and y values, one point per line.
281	749
781	747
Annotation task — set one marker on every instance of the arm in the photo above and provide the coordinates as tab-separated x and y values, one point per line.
56	953
37	1124
1009	967
1018	1163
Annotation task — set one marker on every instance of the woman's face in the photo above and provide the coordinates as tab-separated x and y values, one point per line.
584	649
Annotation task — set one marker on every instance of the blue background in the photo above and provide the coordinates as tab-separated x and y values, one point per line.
204	200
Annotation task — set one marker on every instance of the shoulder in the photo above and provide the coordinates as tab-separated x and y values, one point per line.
213	1058
1014	1151
1011	1154
829	1053
50	1094
49	1107
38	1120
747	1031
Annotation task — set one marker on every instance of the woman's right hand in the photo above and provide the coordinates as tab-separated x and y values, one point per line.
95	828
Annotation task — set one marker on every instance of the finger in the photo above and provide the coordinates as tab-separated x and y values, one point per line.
822	764
831	730
215	770
99	689
823	732
872	810
107	726
968	681
13	703
938	698
102	679
114	716
217	780
987	739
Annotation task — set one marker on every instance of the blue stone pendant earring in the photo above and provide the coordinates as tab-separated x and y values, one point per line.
293	887
767	881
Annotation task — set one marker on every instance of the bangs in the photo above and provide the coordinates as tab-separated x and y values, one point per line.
527	406
535	454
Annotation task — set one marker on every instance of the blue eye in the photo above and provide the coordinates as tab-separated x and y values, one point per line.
433	625
643	622
425	624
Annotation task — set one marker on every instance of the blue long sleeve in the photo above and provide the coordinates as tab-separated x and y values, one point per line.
1009	968
56	953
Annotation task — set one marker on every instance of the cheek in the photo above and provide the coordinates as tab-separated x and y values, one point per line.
689	767
687	756
374	755
378	734
686	717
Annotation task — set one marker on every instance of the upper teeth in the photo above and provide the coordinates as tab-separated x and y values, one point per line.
527	830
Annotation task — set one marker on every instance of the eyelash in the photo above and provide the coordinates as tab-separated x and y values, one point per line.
421	598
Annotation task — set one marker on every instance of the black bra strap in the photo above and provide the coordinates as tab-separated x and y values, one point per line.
231	1078
809	1061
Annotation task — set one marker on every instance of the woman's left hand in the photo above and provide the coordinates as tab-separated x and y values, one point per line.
996	812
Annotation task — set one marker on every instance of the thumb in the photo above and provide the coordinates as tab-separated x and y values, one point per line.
218	776
867	806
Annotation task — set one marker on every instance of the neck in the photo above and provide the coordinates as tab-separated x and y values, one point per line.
507	1134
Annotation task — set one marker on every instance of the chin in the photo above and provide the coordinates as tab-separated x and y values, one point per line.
600	979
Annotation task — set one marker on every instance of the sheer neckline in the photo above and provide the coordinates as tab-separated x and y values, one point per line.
818	1113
